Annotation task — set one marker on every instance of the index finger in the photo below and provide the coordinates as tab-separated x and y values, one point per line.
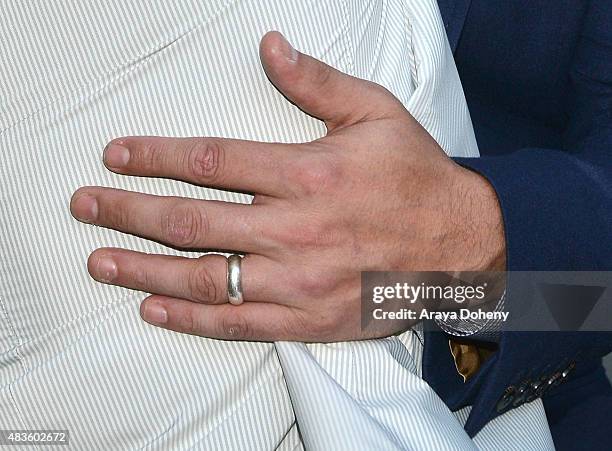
238	165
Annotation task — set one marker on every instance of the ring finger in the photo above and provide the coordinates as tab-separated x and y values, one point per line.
201	280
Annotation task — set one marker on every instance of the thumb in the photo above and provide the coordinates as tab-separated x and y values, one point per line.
317	88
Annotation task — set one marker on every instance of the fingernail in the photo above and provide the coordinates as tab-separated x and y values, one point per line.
116	156
106	269
85	208
288	51
155	313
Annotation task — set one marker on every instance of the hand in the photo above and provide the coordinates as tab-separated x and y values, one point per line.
376	193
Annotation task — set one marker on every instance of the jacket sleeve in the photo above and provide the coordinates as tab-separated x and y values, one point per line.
557	210
557	203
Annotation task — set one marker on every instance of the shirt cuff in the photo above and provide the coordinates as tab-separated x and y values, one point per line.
478	329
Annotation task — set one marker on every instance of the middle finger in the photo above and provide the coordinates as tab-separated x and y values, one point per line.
174	221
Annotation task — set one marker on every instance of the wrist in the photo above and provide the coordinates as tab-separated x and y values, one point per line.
482	234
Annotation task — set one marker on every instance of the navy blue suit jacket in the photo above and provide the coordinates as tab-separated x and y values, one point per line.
537	76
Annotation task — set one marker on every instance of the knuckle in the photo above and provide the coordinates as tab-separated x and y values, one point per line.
316	285
187	323
183	225
118	215
206	160
201	285
317	175
150	157
234	326
141	278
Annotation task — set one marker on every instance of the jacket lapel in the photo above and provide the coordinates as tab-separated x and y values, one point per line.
454	13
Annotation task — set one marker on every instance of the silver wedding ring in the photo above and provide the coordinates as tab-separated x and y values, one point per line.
234	279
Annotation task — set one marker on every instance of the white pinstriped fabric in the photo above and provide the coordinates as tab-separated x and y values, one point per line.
74	354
